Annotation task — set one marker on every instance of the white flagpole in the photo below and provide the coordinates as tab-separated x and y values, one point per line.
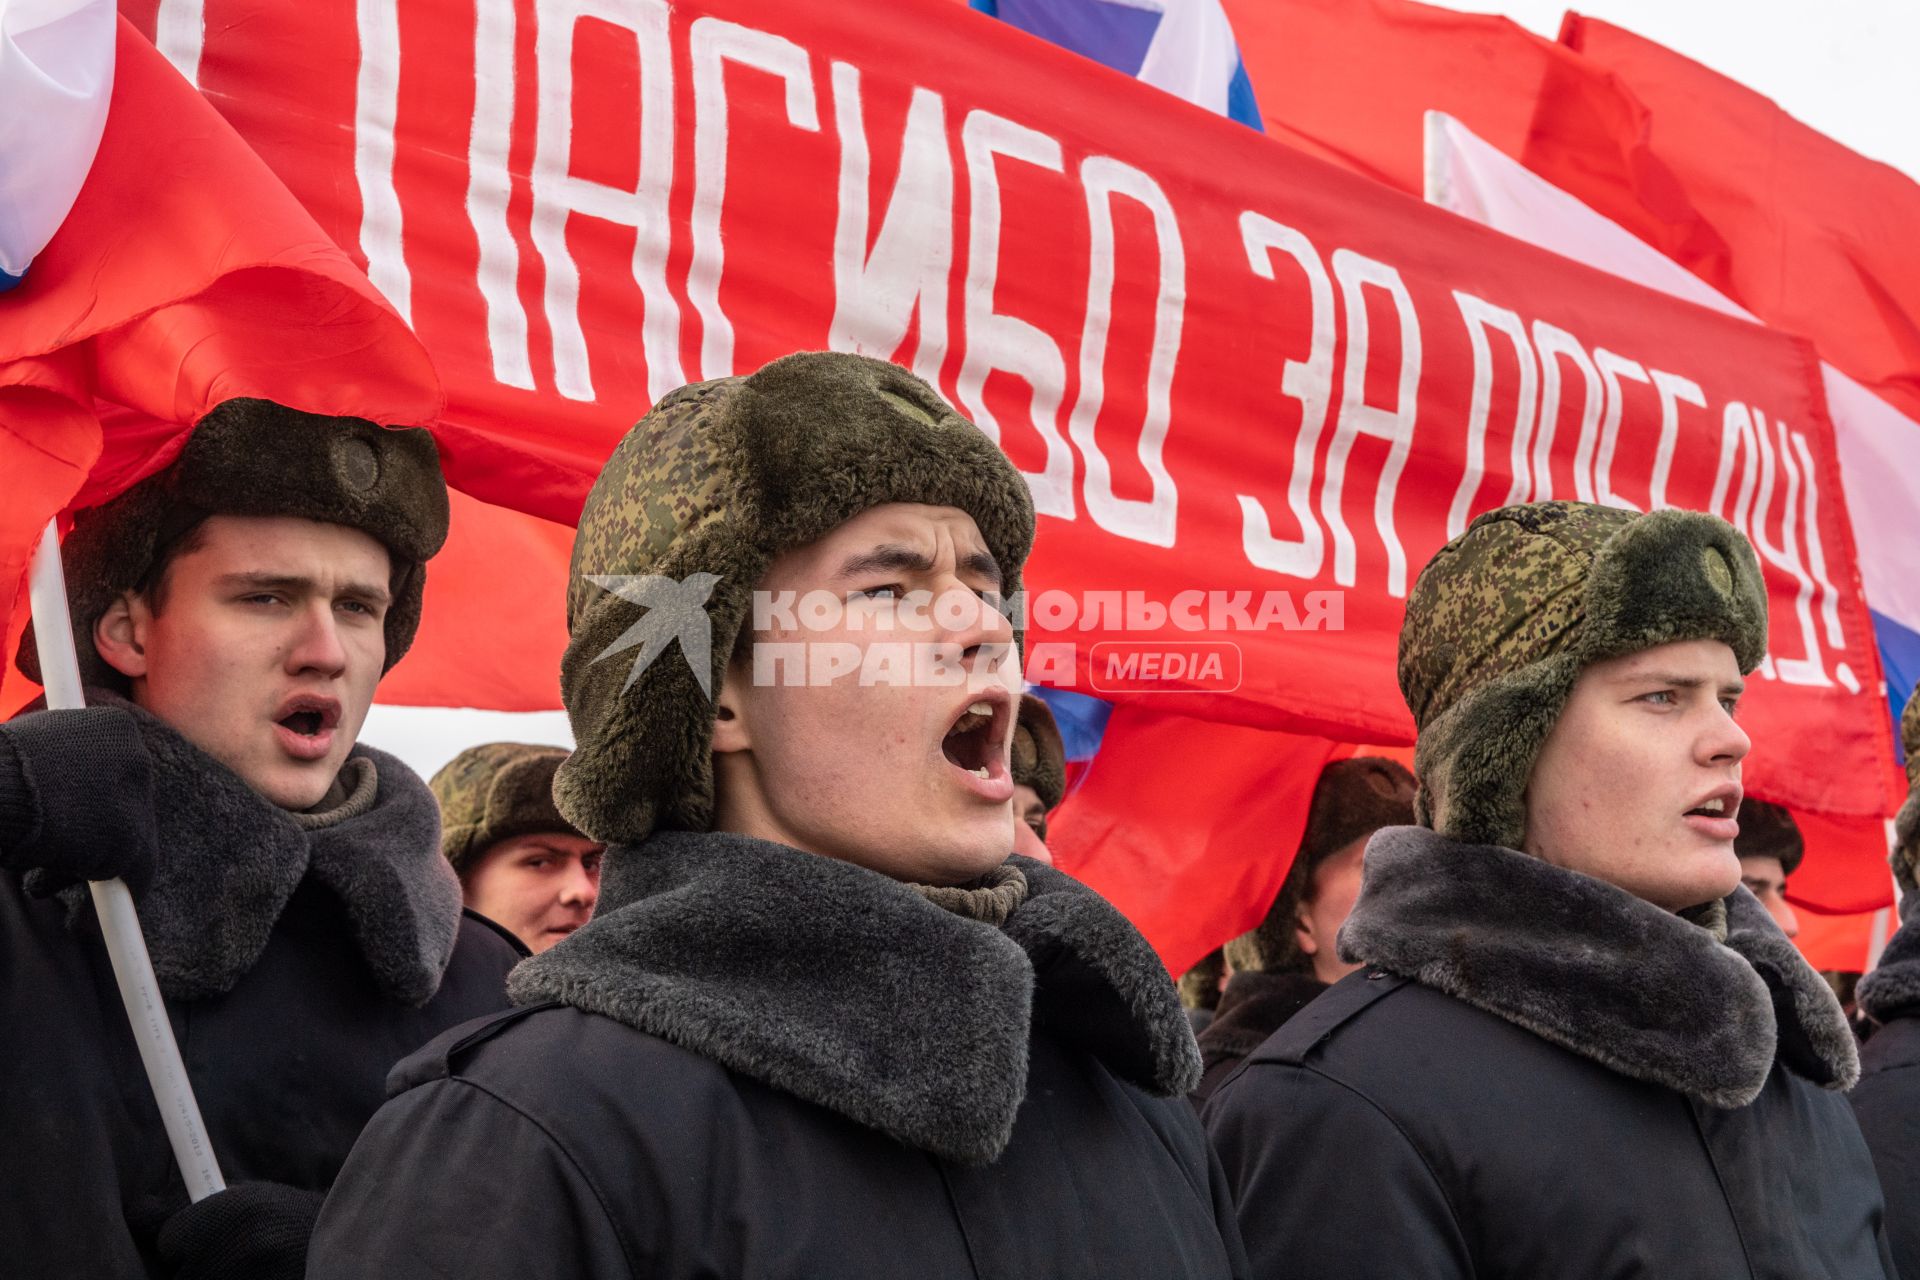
113	902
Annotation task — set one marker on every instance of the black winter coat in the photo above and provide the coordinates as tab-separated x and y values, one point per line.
761	1063
1542	1076
1887	1099
1253	1007
298	967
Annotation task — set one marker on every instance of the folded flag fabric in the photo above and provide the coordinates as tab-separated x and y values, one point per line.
56	72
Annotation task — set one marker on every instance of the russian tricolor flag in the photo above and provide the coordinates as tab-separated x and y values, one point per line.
1185	47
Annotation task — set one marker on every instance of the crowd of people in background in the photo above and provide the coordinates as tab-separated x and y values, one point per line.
777	979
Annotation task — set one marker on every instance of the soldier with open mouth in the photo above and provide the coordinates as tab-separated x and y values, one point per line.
822	1023
233	615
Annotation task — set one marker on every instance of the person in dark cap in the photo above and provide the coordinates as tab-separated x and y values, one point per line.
1290	957
1579	1047
1039	765
1770	849
821	1024
1887	1099
521	865
233	615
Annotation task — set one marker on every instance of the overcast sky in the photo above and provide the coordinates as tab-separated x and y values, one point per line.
1845	67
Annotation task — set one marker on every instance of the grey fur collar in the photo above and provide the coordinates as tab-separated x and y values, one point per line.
230	862
852	991
1892	990
1598	971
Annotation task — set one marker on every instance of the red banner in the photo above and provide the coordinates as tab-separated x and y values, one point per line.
1252	393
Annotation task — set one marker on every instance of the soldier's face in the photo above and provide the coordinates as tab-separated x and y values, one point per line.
264	650
540	886
1639	781
876	727
1767	879
1030	824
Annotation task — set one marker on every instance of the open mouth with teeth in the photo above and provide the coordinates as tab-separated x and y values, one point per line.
975	742
305	723
1714	808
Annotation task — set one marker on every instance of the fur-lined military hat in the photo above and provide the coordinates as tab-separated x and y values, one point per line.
703	493
1504	617
1353	798
494	792
1039	755
258	458
1906	825
1769	831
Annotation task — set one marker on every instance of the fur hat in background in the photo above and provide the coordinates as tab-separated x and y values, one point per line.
718	479
1039	755
1769	831
1353	799
494	792
1906	825
258	458
1505	616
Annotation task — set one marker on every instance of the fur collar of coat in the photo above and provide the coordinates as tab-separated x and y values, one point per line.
852	991
1892	990
230	861
1595	970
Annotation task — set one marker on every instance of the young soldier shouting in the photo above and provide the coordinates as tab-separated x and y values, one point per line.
821	1023
233	615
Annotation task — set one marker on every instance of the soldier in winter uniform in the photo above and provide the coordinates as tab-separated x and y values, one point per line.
232	615
521	865
1282	963
1887	1099
1579	1048
821	1023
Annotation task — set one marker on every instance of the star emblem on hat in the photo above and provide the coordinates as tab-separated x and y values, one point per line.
675	610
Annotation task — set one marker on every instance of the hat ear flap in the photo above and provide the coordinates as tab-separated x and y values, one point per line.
1474	762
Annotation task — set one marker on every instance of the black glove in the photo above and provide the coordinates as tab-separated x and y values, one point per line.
76	798
250	1231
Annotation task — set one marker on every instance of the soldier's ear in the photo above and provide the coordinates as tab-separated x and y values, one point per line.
730	729
1303	931
120	635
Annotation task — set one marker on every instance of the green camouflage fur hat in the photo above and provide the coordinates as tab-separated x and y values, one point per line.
1039	755
1353	798
494	792
258	458
1906	825
717	480
1505	616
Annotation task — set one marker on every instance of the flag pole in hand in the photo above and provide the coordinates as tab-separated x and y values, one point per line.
113	903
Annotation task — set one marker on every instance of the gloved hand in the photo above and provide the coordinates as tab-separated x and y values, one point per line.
76	798
250	1231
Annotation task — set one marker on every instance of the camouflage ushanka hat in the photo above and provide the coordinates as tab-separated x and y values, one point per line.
721	477
257	458
494	792
1505	616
